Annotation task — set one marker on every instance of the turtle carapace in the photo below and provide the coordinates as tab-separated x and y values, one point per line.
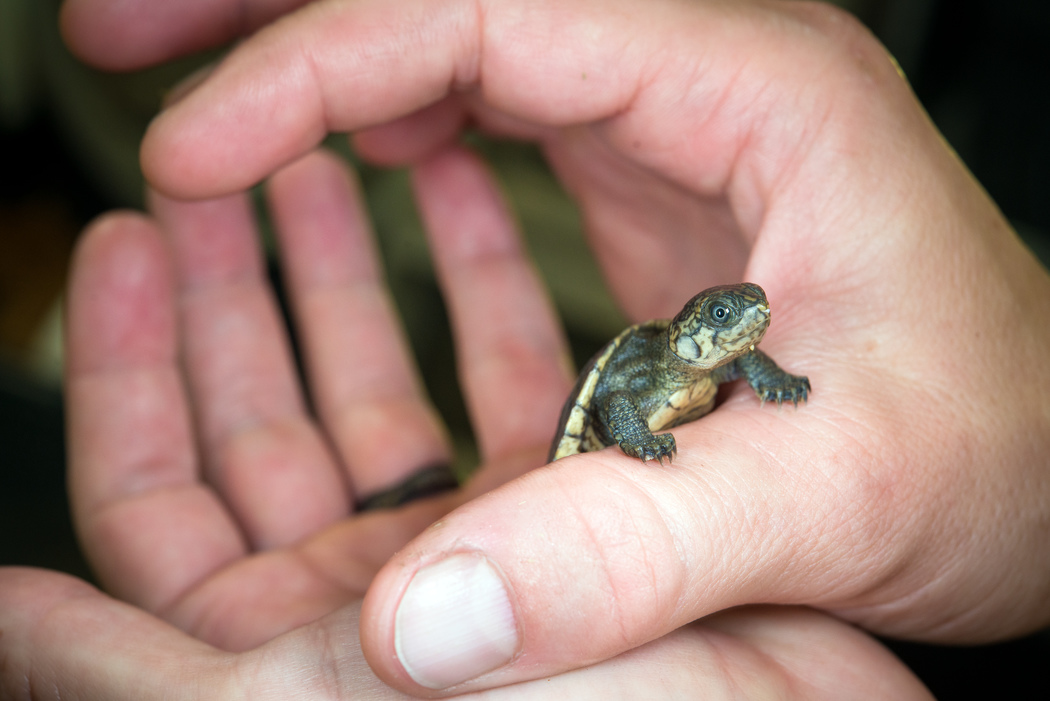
663	373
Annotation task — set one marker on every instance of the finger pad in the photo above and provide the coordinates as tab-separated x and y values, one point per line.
120	301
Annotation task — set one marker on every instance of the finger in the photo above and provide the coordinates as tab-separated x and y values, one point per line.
513	360
414	136
62	638
746	653
634	551
364	384
411	138
754	652
299	73
810	655
676	101
128	35
149	527
682	95
261	450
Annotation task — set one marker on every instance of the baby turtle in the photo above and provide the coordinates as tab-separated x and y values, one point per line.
662	374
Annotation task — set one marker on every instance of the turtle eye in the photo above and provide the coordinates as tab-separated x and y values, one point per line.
720	313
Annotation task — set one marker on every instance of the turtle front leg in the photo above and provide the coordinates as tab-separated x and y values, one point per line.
624	423
770	382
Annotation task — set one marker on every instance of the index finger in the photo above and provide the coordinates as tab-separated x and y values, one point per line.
345	66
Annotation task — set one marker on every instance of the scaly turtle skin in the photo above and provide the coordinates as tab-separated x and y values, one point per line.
664	373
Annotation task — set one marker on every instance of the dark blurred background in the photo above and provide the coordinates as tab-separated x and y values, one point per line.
68	151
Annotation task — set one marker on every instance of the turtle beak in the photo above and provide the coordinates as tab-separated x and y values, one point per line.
765	316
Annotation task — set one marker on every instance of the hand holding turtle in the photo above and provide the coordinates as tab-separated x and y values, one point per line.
705	144
236	548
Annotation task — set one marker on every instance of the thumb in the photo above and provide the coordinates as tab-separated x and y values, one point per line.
591	556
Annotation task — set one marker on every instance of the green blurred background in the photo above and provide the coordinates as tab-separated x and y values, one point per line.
68	151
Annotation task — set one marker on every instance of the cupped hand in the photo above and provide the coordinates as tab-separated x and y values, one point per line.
705	143
210	500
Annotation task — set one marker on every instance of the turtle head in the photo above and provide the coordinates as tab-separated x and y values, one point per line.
719	325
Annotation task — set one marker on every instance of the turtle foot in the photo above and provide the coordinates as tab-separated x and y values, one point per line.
655	448
789	388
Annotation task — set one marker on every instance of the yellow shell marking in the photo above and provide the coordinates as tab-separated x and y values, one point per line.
578	435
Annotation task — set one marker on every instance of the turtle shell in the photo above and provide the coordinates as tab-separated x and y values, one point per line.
663	373
576	433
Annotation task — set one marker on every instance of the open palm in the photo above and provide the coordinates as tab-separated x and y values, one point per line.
204	487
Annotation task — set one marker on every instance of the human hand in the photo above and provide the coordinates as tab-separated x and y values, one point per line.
186	422
202	486
63	638
204	492
706	143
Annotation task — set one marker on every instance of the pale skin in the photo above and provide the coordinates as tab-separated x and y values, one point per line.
223	588
705	143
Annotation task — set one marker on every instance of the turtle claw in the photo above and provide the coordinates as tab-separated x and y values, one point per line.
801	393
794	389
770	382
660	457
655	448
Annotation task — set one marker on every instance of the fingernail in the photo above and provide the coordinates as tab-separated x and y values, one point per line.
455	622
